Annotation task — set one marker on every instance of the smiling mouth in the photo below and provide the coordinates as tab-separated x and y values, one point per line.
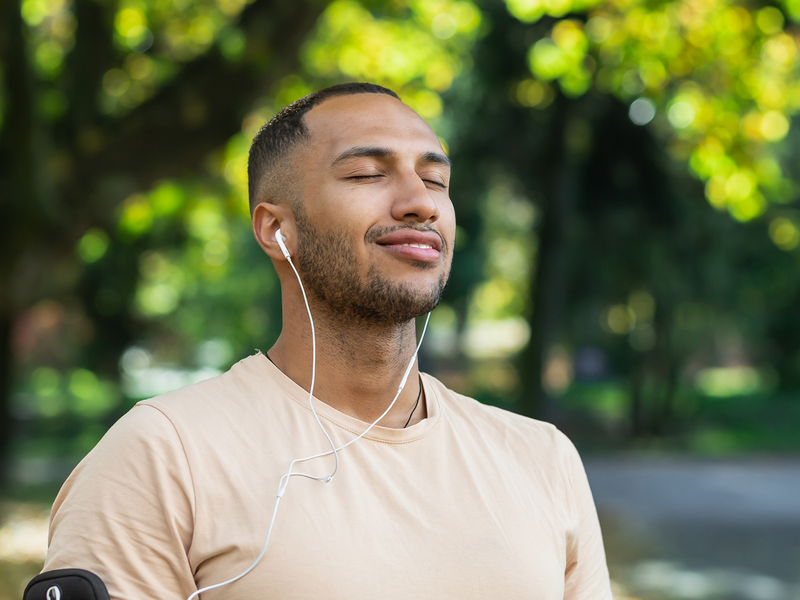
420	246
408	237
419	253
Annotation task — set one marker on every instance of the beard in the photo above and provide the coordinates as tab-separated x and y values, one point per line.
329	267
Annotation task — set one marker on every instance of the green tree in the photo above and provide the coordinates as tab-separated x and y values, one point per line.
125	130
616	216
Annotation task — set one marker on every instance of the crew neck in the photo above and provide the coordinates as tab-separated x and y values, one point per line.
266	369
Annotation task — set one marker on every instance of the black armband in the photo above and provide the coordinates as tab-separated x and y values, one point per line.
66	584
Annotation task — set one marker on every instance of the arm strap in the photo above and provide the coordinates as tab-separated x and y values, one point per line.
66	584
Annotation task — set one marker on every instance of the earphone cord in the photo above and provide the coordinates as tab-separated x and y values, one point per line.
286	476
284	481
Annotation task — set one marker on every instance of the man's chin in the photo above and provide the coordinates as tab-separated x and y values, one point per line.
388	302
395	313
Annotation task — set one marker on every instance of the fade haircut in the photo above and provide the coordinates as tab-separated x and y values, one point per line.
268	167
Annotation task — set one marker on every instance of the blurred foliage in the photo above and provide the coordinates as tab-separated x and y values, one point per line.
624	279
161	290
592	283
718	79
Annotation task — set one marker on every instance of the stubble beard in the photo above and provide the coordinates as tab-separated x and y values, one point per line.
329	269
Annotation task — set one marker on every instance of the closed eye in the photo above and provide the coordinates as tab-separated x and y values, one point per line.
438	184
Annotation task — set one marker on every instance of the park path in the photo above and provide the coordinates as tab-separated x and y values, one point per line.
694	528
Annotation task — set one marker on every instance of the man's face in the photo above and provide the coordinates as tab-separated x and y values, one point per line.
375	223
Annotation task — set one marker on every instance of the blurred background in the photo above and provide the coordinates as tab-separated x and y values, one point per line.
626	184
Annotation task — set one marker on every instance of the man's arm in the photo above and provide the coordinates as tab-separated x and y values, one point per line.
126	513
586	576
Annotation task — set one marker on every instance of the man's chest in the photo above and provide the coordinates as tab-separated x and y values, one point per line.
393	534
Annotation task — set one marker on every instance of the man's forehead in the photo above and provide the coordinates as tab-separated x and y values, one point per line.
367	119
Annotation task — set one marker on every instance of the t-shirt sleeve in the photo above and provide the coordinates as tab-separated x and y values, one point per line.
586	576
126	512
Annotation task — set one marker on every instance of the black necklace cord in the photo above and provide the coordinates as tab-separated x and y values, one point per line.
415	405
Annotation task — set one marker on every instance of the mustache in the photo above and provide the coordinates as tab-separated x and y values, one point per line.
378	232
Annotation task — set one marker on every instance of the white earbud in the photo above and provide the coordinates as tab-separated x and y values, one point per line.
280	238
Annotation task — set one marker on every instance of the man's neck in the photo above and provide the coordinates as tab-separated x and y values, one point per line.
359	365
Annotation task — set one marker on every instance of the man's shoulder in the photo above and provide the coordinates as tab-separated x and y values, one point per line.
221	391
493	420
232	410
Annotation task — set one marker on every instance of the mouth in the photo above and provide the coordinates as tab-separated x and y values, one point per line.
422	246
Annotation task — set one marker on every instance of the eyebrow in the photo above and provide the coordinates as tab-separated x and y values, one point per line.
379	152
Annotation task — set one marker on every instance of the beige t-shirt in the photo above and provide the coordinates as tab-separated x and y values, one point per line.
472	502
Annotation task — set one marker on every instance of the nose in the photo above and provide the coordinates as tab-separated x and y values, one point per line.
414	201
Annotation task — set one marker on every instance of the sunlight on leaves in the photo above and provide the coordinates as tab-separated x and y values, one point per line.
723	78
417	57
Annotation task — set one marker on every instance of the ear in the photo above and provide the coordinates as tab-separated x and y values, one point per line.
267	219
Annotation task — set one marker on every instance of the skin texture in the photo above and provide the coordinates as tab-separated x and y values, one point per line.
372	179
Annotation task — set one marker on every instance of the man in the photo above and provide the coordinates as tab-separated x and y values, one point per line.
444	498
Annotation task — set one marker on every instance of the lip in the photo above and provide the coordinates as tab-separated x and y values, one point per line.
397	241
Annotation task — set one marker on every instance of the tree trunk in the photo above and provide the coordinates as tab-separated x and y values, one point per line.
18	191
548	281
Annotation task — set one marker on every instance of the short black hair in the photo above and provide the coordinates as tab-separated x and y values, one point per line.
279	135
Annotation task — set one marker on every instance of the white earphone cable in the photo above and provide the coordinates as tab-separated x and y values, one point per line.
284	480
313	380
